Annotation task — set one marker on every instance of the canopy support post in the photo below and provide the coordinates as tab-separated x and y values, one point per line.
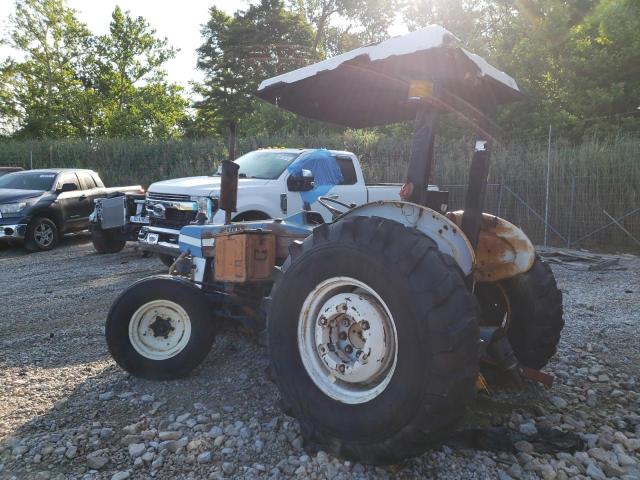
478	177
421	159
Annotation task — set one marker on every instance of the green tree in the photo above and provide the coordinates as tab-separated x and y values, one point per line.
137	100
9	114
463	18
340	25
46	88
578	64
240	51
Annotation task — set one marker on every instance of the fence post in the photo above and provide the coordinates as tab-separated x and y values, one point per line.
546	200
573	191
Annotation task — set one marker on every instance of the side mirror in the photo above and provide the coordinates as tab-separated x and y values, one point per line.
302	183
67	187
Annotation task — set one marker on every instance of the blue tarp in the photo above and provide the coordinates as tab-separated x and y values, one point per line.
324	168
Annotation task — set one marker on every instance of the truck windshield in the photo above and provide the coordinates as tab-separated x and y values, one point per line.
28	180
264	164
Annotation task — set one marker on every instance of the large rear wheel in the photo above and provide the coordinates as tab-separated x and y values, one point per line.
536	305
373	339
529	308
160	328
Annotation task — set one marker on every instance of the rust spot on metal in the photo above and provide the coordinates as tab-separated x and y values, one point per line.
503	250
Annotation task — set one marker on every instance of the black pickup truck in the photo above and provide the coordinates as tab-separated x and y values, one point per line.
38	206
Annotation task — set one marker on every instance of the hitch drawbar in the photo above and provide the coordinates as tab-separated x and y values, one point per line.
497	352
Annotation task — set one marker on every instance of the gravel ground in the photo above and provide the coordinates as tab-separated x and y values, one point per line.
67	411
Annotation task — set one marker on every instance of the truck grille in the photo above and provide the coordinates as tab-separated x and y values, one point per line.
173	219
172	197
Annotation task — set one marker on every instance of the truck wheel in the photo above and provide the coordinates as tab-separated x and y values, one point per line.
42	234
106	241
160	328
167	260
536	315
373	339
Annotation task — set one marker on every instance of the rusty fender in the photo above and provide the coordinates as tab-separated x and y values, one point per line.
503	250
444	232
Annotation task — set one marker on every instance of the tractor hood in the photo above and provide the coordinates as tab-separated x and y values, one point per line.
370	86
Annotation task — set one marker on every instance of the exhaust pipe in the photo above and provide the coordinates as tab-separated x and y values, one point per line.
229	189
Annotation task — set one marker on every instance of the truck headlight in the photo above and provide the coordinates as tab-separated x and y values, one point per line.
206	205
11	209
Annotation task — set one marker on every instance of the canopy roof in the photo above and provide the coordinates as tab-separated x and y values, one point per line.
369	86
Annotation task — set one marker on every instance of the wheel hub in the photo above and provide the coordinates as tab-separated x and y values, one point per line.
349	346
347	340
43	234
159	329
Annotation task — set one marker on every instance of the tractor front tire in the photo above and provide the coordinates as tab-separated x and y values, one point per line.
160	328
536	315
373	338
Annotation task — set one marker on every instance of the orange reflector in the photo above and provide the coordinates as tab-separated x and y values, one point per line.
481	384
420	89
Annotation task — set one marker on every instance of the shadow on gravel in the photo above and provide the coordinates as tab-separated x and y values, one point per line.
70	240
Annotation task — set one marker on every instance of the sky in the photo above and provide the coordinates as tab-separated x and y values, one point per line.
179	21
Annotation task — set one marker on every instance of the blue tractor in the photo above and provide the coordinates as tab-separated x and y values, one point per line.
378	323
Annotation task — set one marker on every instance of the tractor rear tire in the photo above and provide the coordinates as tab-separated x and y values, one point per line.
160	328
536	315
434	318
106	241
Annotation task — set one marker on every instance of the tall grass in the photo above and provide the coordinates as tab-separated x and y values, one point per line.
586	180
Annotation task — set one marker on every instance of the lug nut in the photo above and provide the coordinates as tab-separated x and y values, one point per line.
348	349
344	307
365	325
322	321
321	348
341	368
342	335
345	322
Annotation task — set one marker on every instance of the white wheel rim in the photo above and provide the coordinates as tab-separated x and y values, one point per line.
347	340
159	330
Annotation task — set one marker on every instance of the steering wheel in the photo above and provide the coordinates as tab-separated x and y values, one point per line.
324	201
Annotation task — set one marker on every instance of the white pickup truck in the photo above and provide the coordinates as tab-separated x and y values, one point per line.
262	194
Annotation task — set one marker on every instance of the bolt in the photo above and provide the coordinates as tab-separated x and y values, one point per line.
342	335
348	349
341	368
322	321
365	325
321	348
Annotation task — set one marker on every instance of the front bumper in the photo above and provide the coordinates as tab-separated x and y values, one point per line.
159	240
13	232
